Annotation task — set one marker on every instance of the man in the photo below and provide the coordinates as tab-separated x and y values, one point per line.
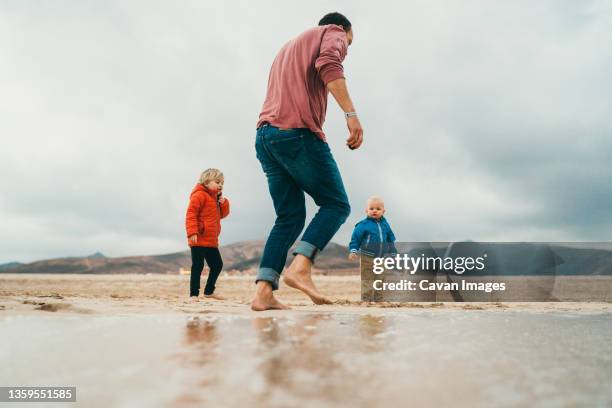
295	157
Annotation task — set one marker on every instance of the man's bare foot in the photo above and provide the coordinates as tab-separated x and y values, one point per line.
192	299
213	296
298	277
264	298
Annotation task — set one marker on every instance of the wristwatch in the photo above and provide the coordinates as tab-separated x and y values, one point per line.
349	114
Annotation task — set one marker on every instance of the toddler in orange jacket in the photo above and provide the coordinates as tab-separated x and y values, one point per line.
207	206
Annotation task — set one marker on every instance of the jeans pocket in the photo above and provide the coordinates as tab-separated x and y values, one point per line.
289	145
320	147
319	153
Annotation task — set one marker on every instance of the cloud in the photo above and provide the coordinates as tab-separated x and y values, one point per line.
482	121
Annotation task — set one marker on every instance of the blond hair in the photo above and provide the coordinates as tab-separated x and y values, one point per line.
375	199
209	175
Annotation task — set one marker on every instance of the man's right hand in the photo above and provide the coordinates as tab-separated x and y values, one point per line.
193	239
338	89
355	133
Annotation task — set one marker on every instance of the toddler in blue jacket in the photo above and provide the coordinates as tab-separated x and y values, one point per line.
372	236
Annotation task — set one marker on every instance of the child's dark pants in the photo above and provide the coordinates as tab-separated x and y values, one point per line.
215	263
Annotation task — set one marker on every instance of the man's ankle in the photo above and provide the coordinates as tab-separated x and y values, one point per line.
301	263
264	287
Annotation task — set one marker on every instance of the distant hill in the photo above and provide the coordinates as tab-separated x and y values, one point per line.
244	256
527	258
97	255
240	256
9	265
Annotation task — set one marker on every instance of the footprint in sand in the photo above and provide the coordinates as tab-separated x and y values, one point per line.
54	307
32	302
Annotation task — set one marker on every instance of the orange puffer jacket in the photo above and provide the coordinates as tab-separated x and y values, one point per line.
204	216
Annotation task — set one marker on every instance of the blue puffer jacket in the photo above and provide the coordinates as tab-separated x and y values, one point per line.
372	237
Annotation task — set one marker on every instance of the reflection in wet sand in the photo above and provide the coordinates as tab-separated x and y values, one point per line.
295	362
202	334
201	339
390	358
372	330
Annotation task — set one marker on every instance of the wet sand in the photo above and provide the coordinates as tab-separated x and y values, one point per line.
133	340
144	294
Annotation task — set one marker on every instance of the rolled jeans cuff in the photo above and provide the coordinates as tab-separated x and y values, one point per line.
307	249
268	275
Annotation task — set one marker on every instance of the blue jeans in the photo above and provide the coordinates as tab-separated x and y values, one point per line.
297	161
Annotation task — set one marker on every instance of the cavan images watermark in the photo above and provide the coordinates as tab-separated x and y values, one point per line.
488	272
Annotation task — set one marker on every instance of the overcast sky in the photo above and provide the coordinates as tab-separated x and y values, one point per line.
482	120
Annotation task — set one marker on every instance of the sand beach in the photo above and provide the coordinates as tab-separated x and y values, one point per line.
135	340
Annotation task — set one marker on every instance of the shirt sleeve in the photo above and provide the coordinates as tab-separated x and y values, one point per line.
331	54
391	249
225	208
391	235
356	239
191	219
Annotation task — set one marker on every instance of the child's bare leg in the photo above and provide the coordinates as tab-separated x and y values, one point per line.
298	277
264	298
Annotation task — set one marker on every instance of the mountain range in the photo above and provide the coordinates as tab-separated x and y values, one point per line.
244	257
240	256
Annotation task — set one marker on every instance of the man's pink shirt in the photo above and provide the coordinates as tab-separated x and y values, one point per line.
297	93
